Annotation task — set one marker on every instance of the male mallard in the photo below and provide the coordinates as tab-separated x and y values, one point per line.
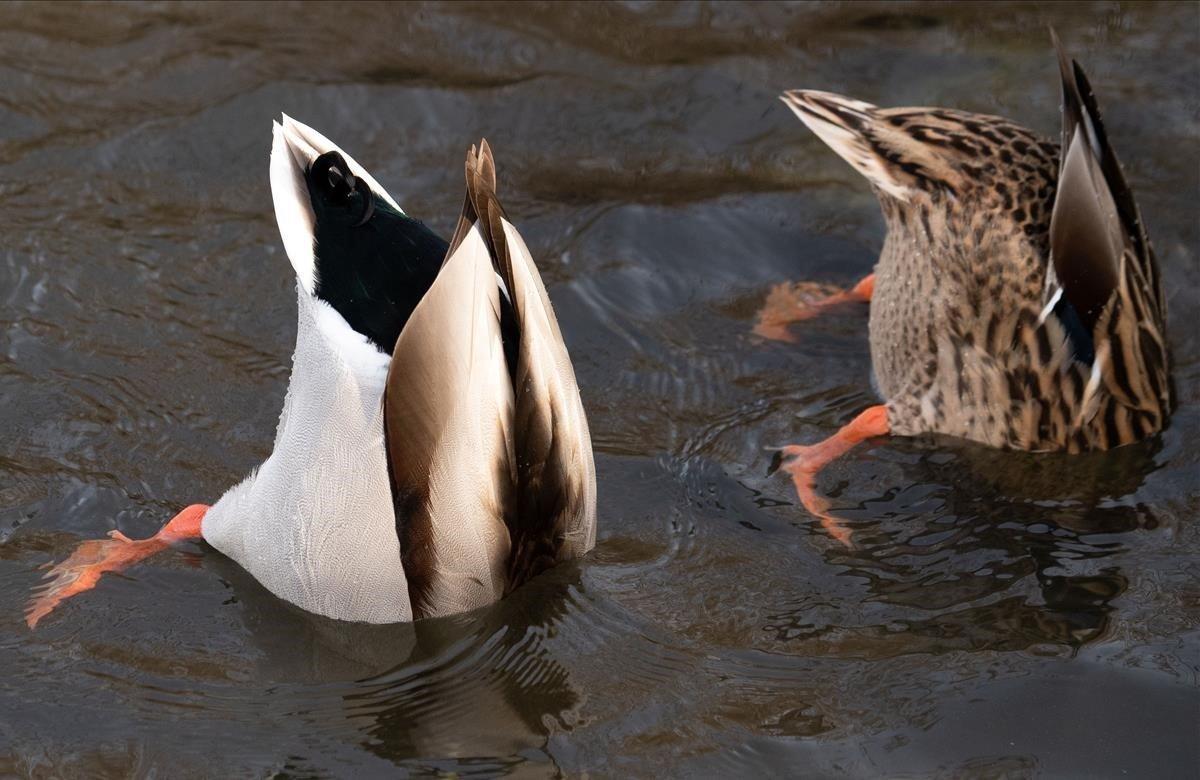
1016	301
432	453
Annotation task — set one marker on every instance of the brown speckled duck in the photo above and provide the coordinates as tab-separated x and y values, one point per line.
1016	301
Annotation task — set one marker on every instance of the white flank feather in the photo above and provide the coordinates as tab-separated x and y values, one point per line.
315	523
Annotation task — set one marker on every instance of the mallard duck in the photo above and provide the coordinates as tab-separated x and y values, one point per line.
1016	301
432	453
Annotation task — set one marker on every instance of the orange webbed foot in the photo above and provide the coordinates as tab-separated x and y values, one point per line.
798	461
804	463
82	570
788	303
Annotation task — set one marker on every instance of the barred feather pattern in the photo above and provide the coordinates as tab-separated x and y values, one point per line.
960	343
965	340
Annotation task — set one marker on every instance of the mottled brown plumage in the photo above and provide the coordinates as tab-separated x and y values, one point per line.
1016	300
967	337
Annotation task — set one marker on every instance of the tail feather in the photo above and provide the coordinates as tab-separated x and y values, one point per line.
1098	242
848	126
1105	267
1081	109
553	511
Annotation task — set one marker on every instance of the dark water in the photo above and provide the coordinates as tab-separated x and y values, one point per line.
1002	615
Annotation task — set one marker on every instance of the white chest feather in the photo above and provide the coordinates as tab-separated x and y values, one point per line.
315	523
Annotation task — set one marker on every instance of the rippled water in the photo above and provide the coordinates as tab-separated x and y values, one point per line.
1001	614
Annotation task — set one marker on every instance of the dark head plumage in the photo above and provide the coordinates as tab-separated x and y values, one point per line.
352	245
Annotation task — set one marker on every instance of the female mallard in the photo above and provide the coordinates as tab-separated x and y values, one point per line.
1016	301
432	453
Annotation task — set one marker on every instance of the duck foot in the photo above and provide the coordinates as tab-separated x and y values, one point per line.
804	463
788	303
82	570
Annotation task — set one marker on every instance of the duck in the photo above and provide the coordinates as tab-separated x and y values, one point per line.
1016	302
433	453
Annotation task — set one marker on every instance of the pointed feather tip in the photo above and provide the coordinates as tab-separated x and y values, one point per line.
1065	62
288	121
794	98
1054	39
1078	104
481	168
830	108
487	165
801	104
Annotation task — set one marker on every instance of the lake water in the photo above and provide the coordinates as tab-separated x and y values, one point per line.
1001	614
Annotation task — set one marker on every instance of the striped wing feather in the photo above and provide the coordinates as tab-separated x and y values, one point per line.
1104	263
1042	322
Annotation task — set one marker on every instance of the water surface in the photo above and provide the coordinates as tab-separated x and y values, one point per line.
1001	614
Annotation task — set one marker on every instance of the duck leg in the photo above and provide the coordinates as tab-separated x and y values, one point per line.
788	303
91	559
805	462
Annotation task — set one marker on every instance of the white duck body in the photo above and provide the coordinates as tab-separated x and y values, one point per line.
314	524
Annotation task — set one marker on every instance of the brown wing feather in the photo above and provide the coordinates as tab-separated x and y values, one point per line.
554	517
447	421
556	489
478	165
1103	259
1095	216
1079	105
492	471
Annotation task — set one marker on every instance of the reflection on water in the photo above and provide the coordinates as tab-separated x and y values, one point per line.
472	688
1037	563
998	614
